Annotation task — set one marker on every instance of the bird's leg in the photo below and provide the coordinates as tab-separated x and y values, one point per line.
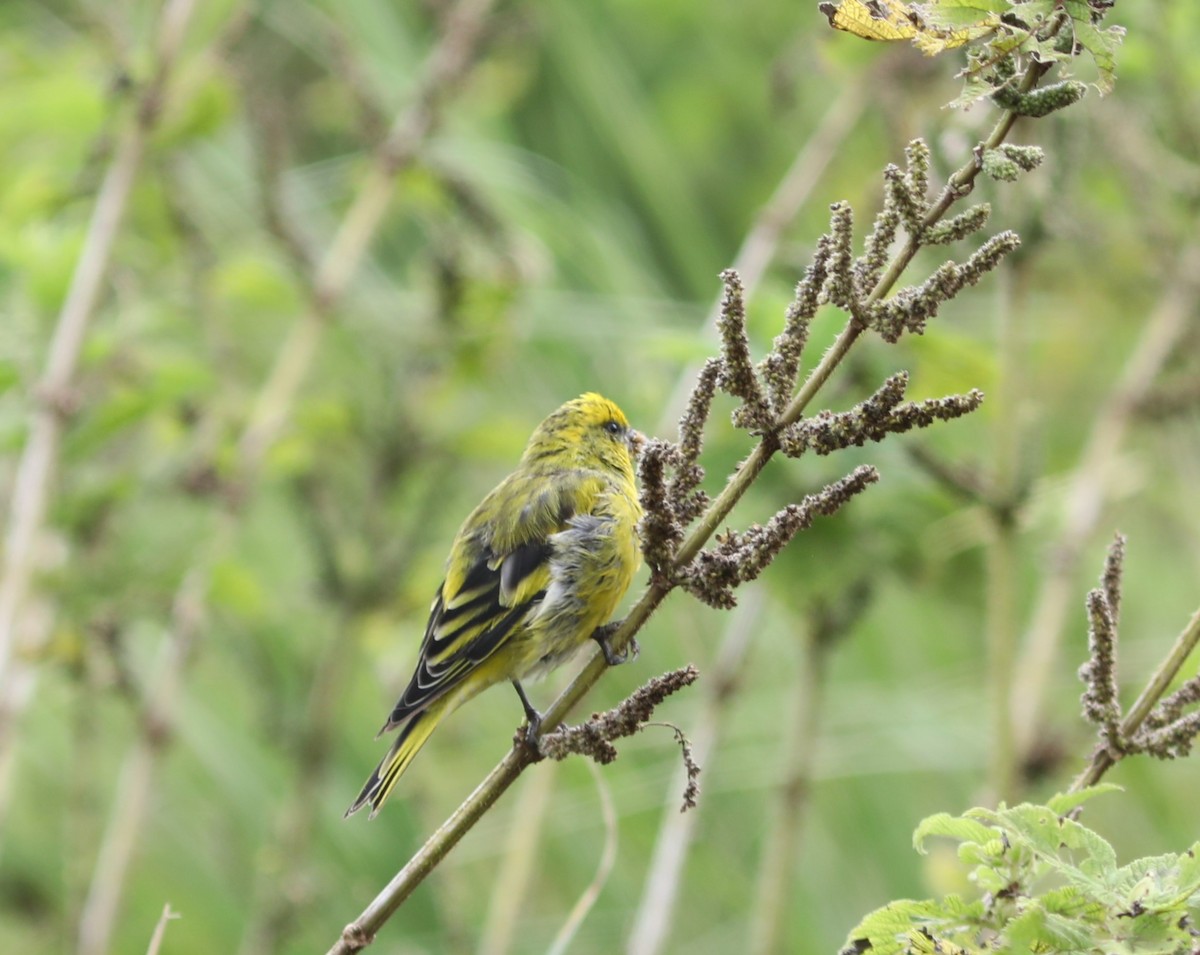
532	716
602	635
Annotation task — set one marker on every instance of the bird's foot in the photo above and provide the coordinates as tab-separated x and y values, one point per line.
603	635
533	722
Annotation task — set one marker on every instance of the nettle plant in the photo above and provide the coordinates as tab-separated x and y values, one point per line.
1046	883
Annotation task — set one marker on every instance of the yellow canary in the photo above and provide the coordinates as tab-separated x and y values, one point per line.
535	569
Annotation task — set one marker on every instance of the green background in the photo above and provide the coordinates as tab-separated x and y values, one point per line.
560	230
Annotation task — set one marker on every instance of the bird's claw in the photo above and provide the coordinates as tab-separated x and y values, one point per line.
533	726
602	636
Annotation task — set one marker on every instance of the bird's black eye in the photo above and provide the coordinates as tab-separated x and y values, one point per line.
612	427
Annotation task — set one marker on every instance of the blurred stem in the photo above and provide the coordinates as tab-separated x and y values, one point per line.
160	930
449	62
768	921
359	933
515	875
137	771
446	64
1104	759
608	858
54	396
1002	633
656	911
1087	490
283	880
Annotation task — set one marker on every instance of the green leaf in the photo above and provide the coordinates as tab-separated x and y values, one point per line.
1101	44
1063	803
952	827
235	587
887	928
1188	876
1072	902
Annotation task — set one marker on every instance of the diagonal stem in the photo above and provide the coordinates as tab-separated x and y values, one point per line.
361	932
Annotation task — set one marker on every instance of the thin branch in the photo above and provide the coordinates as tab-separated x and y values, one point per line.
608	858
656	910
515	872
54	395
1002	561
160	930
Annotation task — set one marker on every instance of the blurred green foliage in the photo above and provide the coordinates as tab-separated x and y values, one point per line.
561	231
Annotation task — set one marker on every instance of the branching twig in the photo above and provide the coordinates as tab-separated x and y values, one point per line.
1159	729
594	738
54	397
160	930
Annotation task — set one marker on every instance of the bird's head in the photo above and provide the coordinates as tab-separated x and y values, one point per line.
589	432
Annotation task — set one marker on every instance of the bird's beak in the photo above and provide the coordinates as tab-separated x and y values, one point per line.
636	440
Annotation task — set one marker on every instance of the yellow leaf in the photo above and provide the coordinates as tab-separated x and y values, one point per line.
873	19
896	20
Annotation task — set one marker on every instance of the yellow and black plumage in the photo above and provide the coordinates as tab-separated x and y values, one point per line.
535	569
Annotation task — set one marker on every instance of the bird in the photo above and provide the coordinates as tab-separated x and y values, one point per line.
532	574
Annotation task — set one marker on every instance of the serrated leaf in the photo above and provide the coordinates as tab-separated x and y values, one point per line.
981	853
1157	869
887	928
952	827
954	13
1189	870
1038	827
1101	44
953	23
1156	934
1068	934
923	942
1071	901
989	880
1100	858
1025	932
955	907
871	19
922	23
1063	803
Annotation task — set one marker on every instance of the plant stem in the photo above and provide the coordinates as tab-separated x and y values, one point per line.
360	933
1103	759
781	852
53	398
1002	632
656	910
